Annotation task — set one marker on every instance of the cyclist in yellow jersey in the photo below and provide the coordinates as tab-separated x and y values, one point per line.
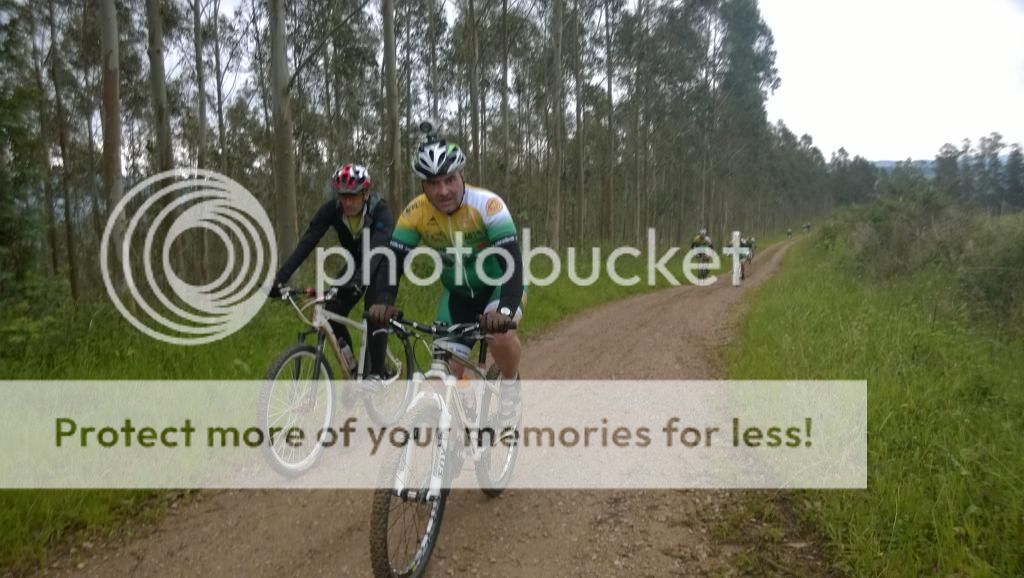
448	206
701	239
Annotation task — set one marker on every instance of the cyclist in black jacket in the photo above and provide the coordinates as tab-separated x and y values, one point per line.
354	213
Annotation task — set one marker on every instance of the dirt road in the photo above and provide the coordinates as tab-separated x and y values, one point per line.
669	334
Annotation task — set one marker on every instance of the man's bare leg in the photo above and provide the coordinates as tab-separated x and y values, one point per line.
507	351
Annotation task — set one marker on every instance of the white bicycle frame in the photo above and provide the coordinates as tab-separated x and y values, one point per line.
439	371
320	321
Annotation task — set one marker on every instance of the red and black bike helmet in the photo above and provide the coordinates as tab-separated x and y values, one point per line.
351	179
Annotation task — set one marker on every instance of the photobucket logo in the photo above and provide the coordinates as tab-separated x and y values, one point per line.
694	265
171	204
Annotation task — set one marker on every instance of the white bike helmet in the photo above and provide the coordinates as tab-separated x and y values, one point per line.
436	158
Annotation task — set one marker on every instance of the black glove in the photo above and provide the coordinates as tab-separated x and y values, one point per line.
380	314
494	322
275	291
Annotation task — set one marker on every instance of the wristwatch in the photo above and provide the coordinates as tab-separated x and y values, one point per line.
505	311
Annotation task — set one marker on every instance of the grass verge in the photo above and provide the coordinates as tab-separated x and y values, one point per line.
945	415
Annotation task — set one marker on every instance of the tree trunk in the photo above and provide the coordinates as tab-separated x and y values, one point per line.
218	70
90	88
342	132
391	89
482	155
609	209
261	74
44	160
557	127
432	59
110	58
62	138
98	214
639	184
474	92
157	86
580	199
407	190
202	262
284	149
507	157
332	112
200	83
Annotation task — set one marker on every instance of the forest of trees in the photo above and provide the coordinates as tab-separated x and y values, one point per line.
982	175
595	119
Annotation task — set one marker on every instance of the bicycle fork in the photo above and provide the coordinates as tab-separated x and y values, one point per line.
440	442
435	485
314	383
443	439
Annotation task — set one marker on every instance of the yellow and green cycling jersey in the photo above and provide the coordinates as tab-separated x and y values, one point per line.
484	221
701	241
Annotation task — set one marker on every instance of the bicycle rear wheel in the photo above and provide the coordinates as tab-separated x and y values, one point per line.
296	394
404	521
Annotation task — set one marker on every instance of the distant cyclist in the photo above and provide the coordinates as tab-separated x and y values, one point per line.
748	244
702	239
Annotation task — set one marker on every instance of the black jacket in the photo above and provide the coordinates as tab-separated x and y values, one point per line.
377	222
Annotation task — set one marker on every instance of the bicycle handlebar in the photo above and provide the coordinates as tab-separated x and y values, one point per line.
290	295
289	292
436	329
441	329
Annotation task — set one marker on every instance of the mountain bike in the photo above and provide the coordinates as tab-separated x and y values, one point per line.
299	387
744	261
704	265
442	431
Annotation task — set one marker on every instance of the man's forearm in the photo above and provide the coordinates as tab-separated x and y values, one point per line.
512	290
386	291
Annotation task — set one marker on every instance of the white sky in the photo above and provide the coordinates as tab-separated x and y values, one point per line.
891	79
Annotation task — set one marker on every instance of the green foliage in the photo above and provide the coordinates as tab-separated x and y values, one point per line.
981	258
33	520
1015	177
851	181
979	175
945	490
20	149
991	274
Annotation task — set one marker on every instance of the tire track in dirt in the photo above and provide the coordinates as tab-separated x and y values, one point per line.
675	333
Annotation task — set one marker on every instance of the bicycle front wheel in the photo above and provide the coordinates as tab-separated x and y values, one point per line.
405	522
387	405
296	393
